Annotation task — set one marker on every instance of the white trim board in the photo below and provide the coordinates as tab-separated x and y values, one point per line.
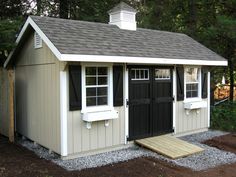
209	100
139	60
175	99
63	112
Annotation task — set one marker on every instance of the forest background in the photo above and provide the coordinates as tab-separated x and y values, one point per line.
211	22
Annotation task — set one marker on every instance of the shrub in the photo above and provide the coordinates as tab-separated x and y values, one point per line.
223	117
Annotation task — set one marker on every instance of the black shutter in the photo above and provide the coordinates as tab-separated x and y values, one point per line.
118	85
180	82
204	82
75	87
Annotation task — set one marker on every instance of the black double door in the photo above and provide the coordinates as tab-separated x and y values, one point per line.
150	101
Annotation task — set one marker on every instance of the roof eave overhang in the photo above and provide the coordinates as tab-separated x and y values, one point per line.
140	60
104	58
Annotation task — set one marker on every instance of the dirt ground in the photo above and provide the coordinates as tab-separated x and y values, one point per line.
16	161
225	142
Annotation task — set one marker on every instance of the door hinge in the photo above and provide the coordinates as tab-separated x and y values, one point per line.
173	98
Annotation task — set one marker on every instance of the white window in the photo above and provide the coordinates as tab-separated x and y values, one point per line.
192	82
96	83
96	88
37	41
139	74
162	74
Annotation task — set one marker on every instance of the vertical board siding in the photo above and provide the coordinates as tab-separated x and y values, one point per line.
4	104
81	139
37	95
194	121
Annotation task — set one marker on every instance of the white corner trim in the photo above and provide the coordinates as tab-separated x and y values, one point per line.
174	102
63	112
126	97
209	99
139	60
28	22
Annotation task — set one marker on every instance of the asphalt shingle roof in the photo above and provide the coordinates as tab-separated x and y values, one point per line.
90	38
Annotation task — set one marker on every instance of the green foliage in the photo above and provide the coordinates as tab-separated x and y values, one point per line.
223	117
8	31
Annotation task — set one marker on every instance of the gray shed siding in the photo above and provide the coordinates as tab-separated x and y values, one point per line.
81	139
195	121
37	95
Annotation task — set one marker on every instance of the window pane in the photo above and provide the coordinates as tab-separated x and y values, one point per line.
90	70
91	81
95	77
90	91
102	100
91	101
142	74
162	74
139	74
102	91
102	71
102	81
194	93
192	74
191	90
146	74
132	74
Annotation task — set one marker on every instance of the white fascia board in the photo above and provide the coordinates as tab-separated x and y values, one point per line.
28	22
139	60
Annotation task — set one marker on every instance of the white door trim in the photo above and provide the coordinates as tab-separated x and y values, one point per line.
174	102
63	111
126	96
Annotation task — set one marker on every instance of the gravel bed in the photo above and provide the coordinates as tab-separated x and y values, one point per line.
209	158
200	137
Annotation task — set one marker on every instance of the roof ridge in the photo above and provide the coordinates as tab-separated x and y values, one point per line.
80	21
105	24
156	30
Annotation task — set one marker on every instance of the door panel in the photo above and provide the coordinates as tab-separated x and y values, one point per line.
150	101
162	101
139	103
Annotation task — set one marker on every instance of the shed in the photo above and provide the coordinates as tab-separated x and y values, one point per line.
84	87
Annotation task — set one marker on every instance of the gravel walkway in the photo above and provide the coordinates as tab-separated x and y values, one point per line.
209	158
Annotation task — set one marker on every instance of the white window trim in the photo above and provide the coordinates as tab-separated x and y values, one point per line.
140	79
109	106
161	79
40	44
199	98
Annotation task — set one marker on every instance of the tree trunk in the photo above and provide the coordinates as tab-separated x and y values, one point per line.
192	20
64	9
39	7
